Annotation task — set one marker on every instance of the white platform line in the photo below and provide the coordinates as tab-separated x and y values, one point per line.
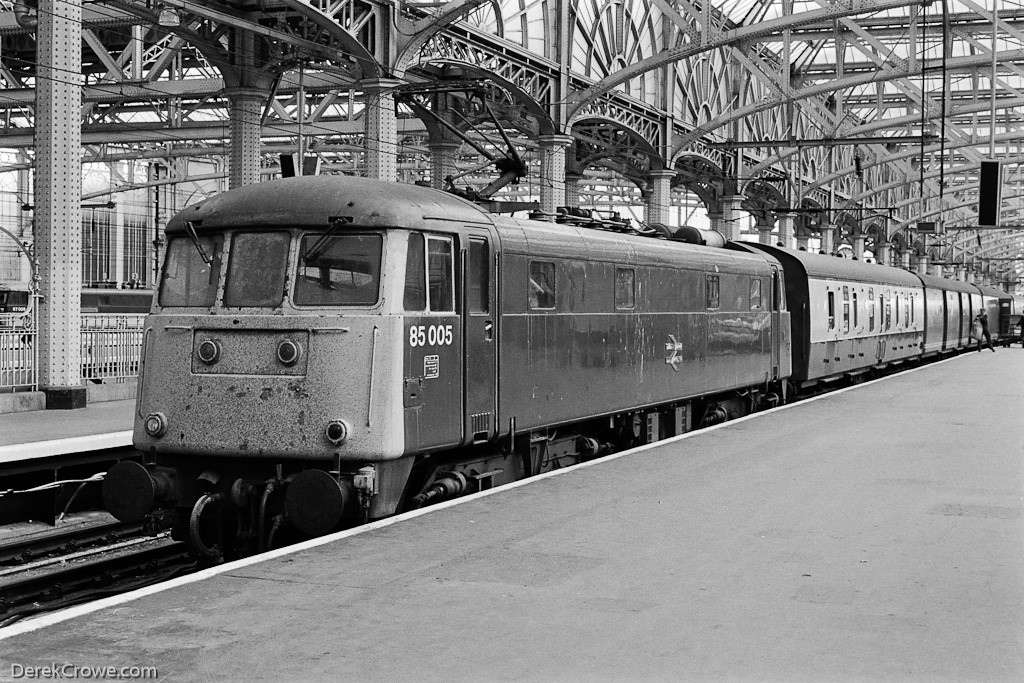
74	444
52	618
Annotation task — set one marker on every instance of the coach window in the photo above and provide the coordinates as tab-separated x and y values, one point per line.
542	284
871	310
415	274
888	312
344	270
846	309
188	279
625	288
256	269
712	292
831	310
440	274
897	310
755	294
855	310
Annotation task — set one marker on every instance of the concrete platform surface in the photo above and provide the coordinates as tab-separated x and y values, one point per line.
47	425
873	534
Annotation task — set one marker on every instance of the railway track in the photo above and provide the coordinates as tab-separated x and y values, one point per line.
22	550
39	578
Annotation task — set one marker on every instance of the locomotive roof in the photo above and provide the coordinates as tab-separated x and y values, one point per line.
825	266
572	242
314	200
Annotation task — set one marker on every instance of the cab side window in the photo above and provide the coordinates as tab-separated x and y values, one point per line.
440	274
478	280
415	274
755	294
430	274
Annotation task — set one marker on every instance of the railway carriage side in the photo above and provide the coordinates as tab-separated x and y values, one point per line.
849	317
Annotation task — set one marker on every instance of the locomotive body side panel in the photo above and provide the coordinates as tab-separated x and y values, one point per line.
596	323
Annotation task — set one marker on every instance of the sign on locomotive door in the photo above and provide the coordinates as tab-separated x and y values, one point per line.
480	338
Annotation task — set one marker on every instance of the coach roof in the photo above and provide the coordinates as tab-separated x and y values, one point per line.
314	200
946	284
824	267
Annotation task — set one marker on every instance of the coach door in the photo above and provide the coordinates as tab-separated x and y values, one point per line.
480	338
777	332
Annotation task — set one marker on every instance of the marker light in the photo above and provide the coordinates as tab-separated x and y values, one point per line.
288	352
155	424
337	432
208	351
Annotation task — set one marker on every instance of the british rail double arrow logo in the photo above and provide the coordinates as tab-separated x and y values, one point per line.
673	348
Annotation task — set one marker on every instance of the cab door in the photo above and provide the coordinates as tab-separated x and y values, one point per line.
480	336
433	372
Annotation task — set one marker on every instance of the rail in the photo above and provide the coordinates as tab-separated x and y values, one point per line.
111	345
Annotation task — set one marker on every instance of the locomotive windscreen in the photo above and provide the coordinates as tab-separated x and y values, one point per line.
256	269
343	271
188	280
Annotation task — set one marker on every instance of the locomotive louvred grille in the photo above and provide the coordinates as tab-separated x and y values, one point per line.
481	422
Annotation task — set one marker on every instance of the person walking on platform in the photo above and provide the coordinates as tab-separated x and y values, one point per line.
982	320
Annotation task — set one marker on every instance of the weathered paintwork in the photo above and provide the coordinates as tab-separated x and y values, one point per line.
271	412
587	357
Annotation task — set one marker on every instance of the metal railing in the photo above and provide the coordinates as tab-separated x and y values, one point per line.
18	352
111	347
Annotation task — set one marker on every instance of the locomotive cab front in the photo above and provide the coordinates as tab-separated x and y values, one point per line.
307	338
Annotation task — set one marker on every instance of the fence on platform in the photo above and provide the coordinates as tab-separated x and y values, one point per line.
111	348
18	352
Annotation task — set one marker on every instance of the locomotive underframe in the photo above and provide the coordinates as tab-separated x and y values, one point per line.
227	507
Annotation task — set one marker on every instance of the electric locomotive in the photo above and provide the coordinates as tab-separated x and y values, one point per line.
329	350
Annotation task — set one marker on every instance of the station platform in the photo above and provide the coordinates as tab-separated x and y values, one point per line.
872	533
45	433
